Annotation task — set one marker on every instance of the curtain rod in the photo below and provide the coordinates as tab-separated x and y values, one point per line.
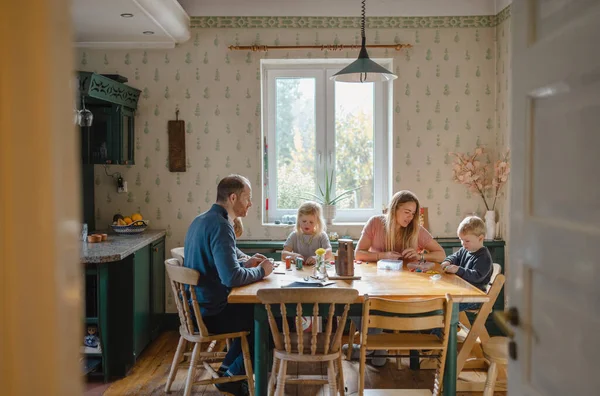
339	47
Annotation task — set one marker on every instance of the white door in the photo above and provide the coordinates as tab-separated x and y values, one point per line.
554	279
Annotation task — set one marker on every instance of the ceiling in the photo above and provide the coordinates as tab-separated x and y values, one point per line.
99	24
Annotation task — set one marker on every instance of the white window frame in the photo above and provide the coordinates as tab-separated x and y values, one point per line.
321	70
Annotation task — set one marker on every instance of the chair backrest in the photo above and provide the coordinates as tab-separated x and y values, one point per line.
496	269
413	314
278	298
177	253
190	318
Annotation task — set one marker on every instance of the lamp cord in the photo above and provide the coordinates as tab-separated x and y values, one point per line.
362	27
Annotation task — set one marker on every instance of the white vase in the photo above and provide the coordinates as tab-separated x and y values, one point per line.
329	213
490	224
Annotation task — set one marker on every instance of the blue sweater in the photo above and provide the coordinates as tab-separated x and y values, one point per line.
210	249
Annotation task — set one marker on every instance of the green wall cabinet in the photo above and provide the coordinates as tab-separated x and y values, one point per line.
111	138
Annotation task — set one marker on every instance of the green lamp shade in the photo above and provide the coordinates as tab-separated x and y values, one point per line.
363	70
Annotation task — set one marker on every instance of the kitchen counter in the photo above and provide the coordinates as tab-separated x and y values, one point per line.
117	246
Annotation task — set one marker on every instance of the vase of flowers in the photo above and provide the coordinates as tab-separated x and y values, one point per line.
320	266
481	179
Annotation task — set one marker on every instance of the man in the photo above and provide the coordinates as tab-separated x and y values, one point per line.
210	249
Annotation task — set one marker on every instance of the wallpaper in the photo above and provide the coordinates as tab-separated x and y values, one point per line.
450	97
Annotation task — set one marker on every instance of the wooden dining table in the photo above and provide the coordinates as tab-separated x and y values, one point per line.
377	282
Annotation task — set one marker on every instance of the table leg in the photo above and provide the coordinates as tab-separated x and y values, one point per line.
261	349
450	371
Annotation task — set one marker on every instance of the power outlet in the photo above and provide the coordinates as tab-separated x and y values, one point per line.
121	185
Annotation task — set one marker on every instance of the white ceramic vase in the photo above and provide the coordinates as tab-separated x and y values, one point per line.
329	212
490	224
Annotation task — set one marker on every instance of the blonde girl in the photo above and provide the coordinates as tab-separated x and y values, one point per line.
238	229
309	235
398	235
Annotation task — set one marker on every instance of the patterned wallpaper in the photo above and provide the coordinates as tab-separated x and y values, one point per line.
450	96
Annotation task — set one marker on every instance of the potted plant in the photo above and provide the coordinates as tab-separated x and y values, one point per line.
328	200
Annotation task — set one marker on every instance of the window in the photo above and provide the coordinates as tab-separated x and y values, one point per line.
313	126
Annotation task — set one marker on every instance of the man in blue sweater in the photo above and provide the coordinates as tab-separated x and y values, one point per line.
210	249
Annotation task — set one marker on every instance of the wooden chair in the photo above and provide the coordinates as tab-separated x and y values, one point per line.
471	334
304	347
495	350
207	347
463	319
177	253
417	315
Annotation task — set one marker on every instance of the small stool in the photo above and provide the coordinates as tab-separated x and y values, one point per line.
495	350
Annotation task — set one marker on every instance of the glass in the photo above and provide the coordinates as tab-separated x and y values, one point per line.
354	144
295	139
84	232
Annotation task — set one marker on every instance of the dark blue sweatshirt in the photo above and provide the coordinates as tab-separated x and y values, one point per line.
210	249
476	268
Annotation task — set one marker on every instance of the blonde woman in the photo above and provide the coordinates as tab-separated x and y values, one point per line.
309	235
398	235
394	235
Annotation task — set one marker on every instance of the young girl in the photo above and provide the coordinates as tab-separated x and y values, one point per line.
309	235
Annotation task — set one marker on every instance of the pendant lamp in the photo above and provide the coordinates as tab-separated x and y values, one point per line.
363	69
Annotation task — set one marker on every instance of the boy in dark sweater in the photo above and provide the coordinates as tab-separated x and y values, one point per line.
472	262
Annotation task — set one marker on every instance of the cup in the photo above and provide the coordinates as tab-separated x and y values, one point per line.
84	231
288	263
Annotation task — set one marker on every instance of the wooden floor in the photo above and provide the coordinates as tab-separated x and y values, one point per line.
149	375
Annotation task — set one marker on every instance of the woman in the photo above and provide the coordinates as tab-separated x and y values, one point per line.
397	234
394	235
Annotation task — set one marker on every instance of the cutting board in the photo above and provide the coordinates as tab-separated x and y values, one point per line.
176	130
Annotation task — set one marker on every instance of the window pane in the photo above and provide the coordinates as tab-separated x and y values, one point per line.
295	140
354	144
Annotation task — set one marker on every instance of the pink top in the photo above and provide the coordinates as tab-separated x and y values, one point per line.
375	231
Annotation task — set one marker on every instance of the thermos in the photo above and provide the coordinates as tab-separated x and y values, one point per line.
344	261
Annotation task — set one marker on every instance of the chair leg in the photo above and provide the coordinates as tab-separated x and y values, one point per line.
189	381
340	376
362	370
280	390
273	377
331	378
398	352
350	341
248	365
176	361
490	382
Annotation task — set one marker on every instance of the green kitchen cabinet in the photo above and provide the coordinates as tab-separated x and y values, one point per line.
141	300
157	288
111	137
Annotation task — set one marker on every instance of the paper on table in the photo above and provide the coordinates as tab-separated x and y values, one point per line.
303	283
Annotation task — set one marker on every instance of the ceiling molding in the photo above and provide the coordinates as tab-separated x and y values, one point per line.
100	24
169	16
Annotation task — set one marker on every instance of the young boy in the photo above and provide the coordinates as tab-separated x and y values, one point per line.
472	262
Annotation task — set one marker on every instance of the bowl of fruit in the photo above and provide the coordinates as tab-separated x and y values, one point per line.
133	224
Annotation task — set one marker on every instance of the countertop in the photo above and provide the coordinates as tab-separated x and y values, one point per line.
117	246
